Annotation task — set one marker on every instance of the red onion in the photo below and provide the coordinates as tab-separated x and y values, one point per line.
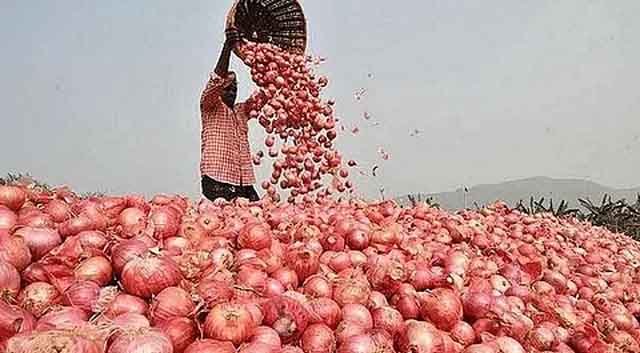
420	337
254	236
287	316
357	239
463	333
76	341
76	225
9	280
130	322
15	251
59	210
181	331
214	292
249	277
12	197
210	346
287	277
92	239
358	314
14	320
38	297
96	269
317	286
388	319
258	347
324	310
147	276
318	338
82	294
351	291
266	335
124	303
477	305
176	245
133	221
291	349
142	341
39	240
62	318
8	218
165	221
305	262
363	343
408	307
542	339
229	322
273	288
347	329
171	302
126	251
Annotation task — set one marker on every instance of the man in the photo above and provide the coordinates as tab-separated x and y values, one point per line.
225	165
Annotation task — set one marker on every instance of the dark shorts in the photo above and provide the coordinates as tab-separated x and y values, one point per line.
213	189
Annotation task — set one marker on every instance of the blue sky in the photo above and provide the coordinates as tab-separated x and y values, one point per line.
103	96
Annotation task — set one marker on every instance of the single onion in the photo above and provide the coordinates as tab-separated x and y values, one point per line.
287	316
130	321
318	338
210	346
72	341
420	337
142	341
96	269
165	221
254	236
171	302
181	331
126	251
39	240
305	262
358	314
133	221
229	322
287	277
59	210
388	319
258	347
12	197
62	318
214	292
14	320
252	278
324	310
8	218
361	343
317	286
144	277
38	297
266	335
92	239
82	294
9	280
124	303
15	251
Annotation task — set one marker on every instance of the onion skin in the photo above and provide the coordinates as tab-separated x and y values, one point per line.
318	338
144	277
229	322
171	302
14	320
214	292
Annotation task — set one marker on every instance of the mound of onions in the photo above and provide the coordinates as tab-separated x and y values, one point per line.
229	322
144	277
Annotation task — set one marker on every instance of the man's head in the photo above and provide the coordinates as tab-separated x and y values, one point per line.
230	92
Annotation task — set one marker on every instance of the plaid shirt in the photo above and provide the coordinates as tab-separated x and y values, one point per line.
225	153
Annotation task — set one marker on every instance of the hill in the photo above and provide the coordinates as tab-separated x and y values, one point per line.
513	191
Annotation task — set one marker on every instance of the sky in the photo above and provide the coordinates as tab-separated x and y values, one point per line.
103	95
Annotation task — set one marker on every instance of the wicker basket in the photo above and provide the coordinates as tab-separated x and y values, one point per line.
279	22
